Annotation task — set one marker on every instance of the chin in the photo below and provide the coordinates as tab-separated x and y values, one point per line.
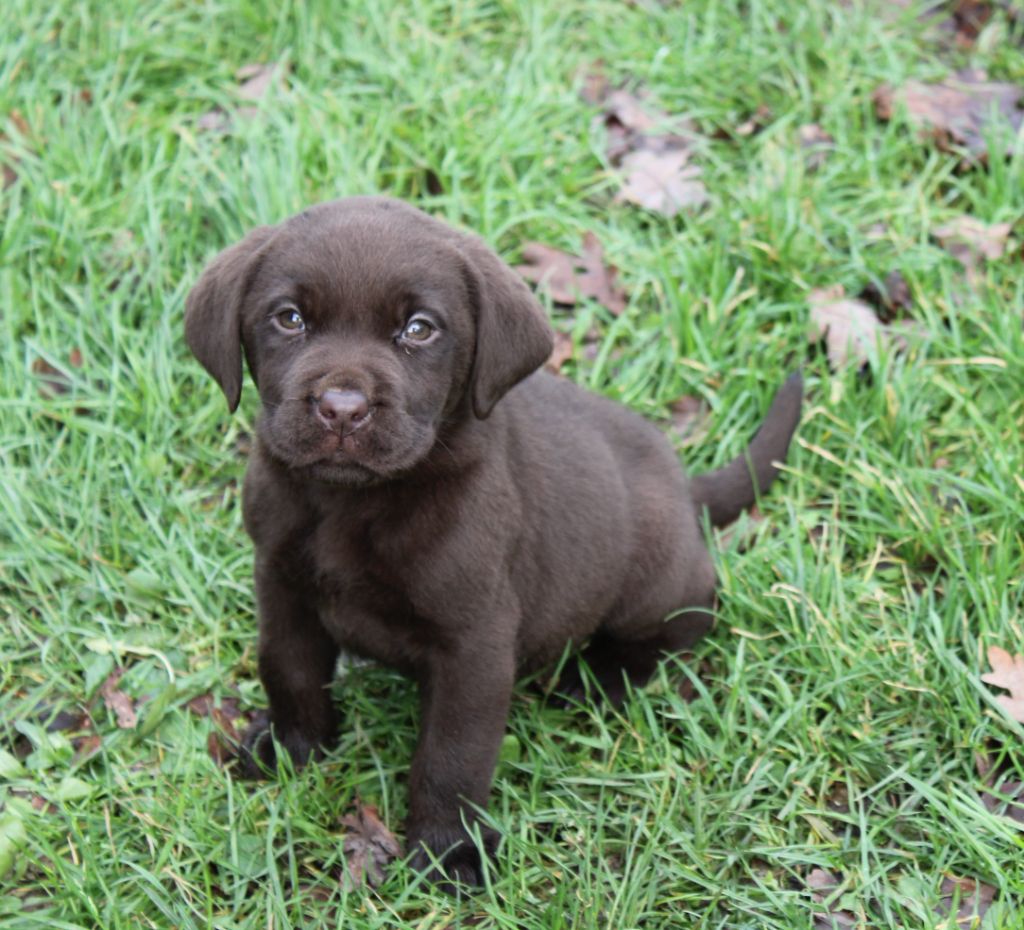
346	474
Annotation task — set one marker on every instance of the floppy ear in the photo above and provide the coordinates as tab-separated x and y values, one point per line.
213	313
513	338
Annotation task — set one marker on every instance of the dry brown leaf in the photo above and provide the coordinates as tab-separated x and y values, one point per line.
569	277
755	122
256	80
593	83
815	144
849	326
823	884
1005	799
116	701
965	21
972	242
633	124
975	899
1007	672
223	740
560	353
368	845
688	412
53	382
742	532
662	181
891	298
956	113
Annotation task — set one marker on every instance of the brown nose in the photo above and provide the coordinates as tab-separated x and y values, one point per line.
342	411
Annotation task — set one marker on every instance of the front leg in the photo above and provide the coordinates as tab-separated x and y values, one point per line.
297	659
464	699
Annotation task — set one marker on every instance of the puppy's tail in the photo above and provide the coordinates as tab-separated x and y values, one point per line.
727	492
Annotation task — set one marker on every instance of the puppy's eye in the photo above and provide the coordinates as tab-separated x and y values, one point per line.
418	330
290	320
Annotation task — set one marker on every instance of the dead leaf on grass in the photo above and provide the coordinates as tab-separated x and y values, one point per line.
254	82
974	897
688	413
54	383
223	740
1007	672
890	298
964	19
9	163
816	145
741	532
567	277
823	886
119	703
368	846
850	328
972	242
561	353
754	123
1006	799
634	125
957	112
662	181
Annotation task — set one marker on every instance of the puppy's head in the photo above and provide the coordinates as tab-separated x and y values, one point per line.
366	325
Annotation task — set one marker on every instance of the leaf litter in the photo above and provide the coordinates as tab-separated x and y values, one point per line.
254	81
368	846
568	277
956	113
1007	673
850	328
973	242
651	148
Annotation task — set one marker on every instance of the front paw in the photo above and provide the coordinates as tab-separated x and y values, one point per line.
258	753
450	856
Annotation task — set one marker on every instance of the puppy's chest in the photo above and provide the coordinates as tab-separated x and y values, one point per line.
364	593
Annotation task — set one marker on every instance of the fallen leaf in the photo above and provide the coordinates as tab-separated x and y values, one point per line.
10	162
256	80
966	20
815	144
632	124
849	326
755	122
567	277
1005	799
1007	672
891	298
742	532
593	82
972	242
975	898
823	885
118	702
561	353
223	740
688	413
957	112
53	382
662	181
368	845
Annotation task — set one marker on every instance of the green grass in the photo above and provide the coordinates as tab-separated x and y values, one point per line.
837	711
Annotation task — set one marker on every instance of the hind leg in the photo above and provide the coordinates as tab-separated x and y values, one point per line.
614	658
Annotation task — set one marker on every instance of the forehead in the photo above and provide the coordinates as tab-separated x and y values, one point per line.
361	258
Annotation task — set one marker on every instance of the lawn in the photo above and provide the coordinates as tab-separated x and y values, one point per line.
829	756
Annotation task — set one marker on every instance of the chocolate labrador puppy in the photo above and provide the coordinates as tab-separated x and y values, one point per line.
422	494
